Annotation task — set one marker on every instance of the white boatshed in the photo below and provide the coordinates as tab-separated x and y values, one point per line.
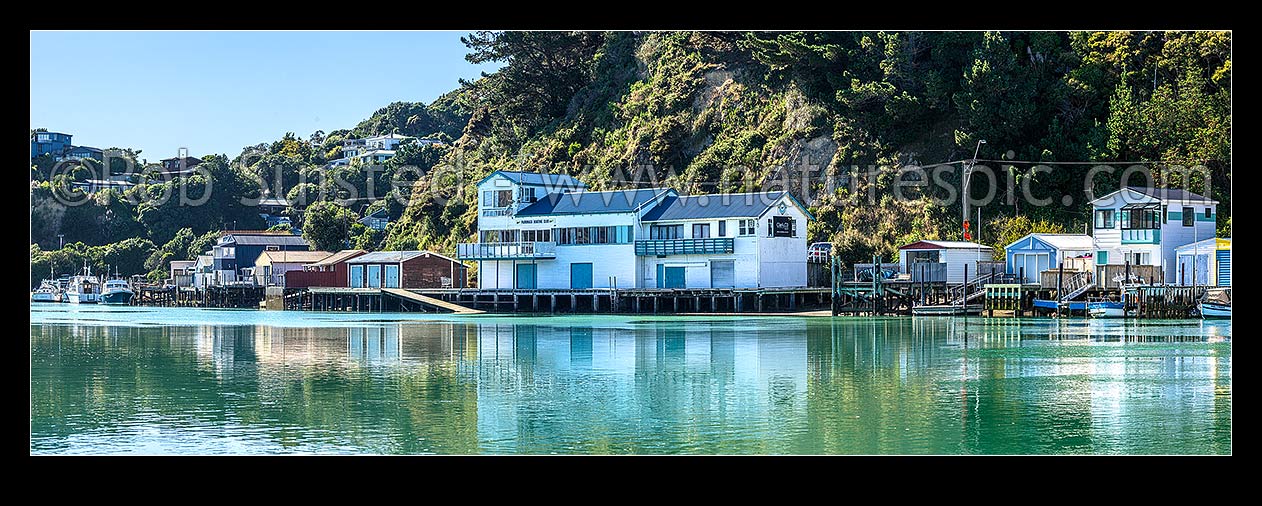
954	254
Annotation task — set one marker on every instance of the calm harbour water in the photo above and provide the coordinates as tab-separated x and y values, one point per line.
121	380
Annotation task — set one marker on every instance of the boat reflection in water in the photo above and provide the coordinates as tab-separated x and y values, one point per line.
613	384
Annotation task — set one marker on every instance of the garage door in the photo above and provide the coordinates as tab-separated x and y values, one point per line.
723	274
674	277
581	276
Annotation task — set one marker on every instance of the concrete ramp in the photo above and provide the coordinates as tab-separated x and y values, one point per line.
430	301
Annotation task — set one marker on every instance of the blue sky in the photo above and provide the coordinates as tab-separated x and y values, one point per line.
217	92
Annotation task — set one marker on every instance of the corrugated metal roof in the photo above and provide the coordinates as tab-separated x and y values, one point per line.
1163	194
385	257
689	207
1205	245
536	178
1067	241
1169	194
944	245
293	257
340	256
269	240
617	201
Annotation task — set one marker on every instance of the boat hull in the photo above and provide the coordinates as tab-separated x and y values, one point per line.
117	298
43	297
1106	310
82	298
945	310
1209	310
1051	304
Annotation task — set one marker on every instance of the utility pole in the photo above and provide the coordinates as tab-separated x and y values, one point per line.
968	168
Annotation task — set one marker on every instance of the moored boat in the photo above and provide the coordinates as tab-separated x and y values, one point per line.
117	292
84	289
1106	309
1216	304
47	292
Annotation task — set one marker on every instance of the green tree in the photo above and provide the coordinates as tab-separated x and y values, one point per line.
326	226
542	71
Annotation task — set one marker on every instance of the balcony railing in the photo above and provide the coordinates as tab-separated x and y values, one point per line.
713	245
506	250
495	212
1141	236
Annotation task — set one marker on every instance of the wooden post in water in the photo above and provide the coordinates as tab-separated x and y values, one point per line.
964	291
1060	294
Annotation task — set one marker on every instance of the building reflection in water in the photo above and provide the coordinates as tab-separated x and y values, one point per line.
766	385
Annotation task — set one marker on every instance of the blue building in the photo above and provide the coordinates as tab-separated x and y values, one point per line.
49	143
84	152
1035	253
236	251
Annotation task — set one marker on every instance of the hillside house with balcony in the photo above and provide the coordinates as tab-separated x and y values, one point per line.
546	231
1145	225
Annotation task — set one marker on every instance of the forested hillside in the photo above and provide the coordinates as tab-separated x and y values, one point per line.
706	112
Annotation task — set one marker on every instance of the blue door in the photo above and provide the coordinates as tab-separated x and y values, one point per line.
526	276
580	276
373	273
674	277
392	276
357	276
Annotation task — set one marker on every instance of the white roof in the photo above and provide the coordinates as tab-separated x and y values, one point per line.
957	244
1202	246
387	136
1066	241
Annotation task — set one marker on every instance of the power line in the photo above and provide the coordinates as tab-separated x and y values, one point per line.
1150	162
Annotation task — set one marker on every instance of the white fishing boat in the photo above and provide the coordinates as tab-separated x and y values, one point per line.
47	292
117	292
1216	304
84	288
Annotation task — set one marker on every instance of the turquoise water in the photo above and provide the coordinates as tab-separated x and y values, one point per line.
123	380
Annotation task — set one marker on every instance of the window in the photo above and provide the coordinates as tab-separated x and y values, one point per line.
499	236
526	194
661	232
746	227
594	235
488	199
1189	216
923	256
723	228
1142	219
544	235
503	198
782	226
1207	213
1104	218
1165	214
700	230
